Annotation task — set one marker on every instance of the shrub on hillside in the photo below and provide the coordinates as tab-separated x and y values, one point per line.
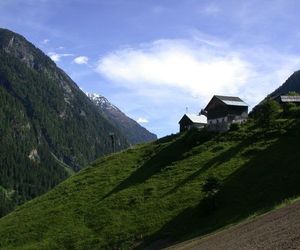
266	113
211	187
291	110
196	137
235	127
287	108
292	93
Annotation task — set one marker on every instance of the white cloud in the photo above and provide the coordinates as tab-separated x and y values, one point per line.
56	57
45	41
81	60
166	76
197	69
142	120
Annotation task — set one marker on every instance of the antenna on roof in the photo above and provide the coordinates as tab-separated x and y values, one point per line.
186	110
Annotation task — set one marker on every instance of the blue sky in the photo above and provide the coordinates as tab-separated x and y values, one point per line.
154	58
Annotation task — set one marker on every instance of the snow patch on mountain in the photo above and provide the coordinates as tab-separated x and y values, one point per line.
134	132
101	101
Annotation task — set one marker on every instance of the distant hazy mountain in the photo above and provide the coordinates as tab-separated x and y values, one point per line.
292	84
48	126
133	131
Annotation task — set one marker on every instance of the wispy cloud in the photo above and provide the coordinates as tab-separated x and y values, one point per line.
56	57
81	60
45	41
142	120
210	9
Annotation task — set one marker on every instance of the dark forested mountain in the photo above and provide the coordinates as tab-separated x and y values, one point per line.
133	131
292	84
48	126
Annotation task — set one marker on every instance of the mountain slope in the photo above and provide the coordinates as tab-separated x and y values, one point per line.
171	190
292	84
48	126
133	131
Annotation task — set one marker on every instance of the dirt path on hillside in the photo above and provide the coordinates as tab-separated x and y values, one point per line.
276	230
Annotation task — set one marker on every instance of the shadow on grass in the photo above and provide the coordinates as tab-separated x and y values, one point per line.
265	181
171	153
221	158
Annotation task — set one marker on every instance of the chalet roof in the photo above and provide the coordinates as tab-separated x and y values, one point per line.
197	118
227	100
289	98
231	100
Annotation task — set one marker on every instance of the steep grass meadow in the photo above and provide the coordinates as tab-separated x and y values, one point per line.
152	195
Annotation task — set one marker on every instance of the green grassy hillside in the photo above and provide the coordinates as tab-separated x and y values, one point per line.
170	190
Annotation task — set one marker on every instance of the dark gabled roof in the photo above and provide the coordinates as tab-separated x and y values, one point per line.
229	100
290	98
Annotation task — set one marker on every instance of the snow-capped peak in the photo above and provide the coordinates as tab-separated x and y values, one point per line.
101	101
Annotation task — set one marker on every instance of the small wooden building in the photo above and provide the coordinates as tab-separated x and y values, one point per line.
283	99
222	111
189	121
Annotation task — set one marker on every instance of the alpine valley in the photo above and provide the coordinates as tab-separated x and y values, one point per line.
181	186
149	196
49	128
